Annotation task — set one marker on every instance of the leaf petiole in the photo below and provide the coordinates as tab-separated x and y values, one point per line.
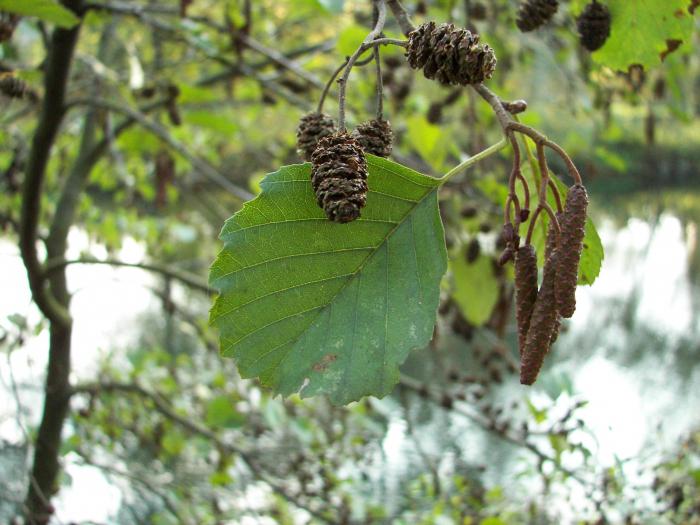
474	159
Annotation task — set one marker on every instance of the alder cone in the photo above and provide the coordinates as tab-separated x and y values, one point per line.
312	128
450	55
573	229
473	251
8	23
375	137
534	13
525	290
542	324
477	11
12	87
594	26
339	177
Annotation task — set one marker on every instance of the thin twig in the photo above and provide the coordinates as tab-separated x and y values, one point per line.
189	424
373	34
380	86
539	138
401	16
327	88
186	278
199	164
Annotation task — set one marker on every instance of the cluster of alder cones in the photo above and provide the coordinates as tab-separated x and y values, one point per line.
539	311
593	23
450	55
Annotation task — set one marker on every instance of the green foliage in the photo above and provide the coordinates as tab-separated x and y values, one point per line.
221	413
47	10
592	255
348	39
333	307
476	288
641	30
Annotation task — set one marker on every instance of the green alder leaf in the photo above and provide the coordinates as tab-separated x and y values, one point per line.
640	31
221	413
476	288
48	10
593	253
306	303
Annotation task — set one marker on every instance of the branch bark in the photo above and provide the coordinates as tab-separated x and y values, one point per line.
164	408
401	16
190	280
57	68
162	133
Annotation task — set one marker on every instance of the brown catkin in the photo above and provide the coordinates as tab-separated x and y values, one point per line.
549	248
525	290
542	323
339	177
573	229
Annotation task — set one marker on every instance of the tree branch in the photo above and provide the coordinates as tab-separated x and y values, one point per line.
162	133
188	279
190	425
401	16
57	68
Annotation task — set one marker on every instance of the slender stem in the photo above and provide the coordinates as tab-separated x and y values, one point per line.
380	86
496	104
167	410
544	172
401	16
186	278
200	164
353	61
319	108
542	197
557	197
539	138
474	159
531	227
327	88
376	31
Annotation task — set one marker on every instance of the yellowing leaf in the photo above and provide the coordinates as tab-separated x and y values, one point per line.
640	31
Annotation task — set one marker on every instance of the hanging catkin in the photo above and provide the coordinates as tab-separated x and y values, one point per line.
525	290
542	323
549	249
572	224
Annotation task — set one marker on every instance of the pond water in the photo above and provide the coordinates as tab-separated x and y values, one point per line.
632	351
